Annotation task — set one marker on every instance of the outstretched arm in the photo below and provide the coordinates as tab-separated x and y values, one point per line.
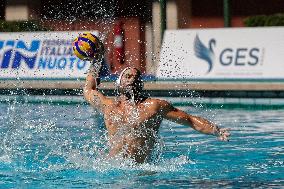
91	94
198	123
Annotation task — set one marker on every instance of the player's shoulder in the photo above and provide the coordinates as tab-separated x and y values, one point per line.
158	102
110	101
161	105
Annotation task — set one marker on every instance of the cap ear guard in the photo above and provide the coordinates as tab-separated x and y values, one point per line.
118	81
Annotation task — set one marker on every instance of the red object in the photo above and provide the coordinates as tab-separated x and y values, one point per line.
119	43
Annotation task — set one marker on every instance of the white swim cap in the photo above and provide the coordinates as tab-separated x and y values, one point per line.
118	81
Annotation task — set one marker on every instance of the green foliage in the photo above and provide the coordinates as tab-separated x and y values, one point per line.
21	26
265	20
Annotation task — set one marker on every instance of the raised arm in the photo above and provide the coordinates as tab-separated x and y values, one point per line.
198	123
91	94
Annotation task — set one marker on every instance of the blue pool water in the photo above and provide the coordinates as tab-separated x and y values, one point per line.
62	146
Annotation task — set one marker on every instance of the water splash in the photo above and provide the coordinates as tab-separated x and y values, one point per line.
36	142
105	165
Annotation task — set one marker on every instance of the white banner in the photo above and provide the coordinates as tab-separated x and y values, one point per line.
39	55
243	53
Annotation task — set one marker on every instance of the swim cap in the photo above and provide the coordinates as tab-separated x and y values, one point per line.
120	76
139	80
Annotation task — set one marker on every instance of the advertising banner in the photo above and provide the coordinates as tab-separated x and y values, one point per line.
235	53
37	55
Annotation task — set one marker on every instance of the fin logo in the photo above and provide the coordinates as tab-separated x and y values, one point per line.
205	53
13	52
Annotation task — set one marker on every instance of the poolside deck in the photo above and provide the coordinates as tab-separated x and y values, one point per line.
153	85
158	88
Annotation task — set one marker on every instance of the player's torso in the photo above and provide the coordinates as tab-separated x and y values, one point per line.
133	118
133	129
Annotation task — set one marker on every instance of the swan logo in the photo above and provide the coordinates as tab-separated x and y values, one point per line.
205	53
228	57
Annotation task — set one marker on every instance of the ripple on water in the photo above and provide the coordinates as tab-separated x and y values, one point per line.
70	149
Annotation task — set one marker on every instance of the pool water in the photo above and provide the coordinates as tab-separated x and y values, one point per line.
46	145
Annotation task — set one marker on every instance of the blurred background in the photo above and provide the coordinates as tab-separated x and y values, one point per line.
133	34
218	59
